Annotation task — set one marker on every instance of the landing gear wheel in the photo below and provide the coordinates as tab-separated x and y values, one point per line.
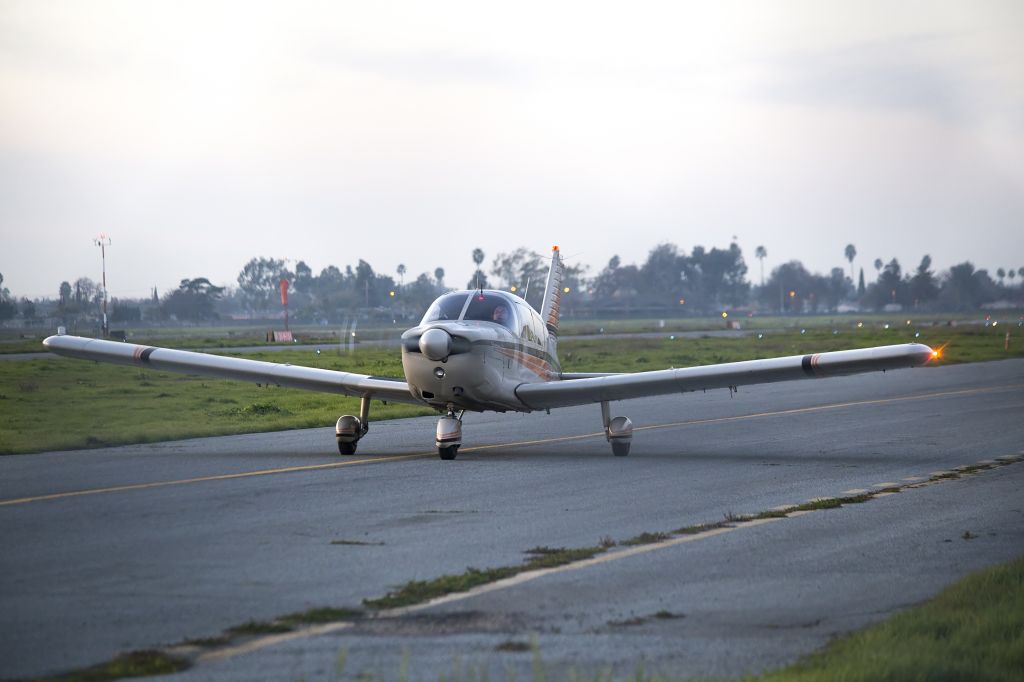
448	452
620	448
347	448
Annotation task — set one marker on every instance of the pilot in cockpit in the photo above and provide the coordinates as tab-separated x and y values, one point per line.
500	314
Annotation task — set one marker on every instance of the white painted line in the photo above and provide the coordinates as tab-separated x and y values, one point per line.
913	478
884	494
782	507
855	491
886	484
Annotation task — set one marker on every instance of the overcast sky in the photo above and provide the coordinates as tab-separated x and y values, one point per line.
199	135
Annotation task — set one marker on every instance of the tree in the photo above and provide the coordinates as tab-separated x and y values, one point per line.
760	253
28	308
860	284
4	293
85	290
439	276
792	288
966	288
193	300
1011	274
1001	274
878	267
850	252
838	288
259	282
479	279
401	270
923	287
64	294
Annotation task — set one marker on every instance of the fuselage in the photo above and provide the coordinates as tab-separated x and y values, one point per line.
479	355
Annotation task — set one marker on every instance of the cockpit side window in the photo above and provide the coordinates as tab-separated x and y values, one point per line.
447	307
491	309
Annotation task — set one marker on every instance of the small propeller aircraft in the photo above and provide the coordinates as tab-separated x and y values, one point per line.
490	350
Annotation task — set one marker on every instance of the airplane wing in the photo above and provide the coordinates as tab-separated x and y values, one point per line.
595	389
292	376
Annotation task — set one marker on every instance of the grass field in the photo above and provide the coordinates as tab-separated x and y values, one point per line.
61	403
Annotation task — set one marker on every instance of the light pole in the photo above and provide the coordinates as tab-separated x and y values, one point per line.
103	241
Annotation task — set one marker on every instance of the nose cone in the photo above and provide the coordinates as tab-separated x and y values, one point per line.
436	344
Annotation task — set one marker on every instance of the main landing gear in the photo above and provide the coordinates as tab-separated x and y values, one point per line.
449	433
350	429
618	431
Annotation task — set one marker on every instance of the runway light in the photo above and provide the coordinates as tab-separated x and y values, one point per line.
859	325
917	335
566	290
391	294
353	334
908	323
803	331
512	289
725	314
995	322
886	325
792	294
682	301
760	336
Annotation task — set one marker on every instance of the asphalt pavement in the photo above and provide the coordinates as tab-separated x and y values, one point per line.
145	546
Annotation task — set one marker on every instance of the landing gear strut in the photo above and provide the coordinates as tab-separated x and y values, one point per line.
350	429
449	433
618	431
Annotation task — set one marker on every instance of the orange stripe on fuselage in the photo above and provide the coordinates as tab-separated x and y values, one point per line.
541	368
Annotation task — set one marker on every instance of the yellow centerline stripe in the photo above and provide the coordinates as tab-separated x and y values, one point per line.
495	446
203	479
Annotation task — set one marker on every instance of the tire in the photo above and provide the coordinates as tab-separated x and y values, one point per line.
448	452
347	448
620	448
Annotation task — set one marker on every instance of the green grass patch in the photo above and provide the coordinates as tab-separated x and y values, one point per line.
259	627
960	344
647	538
420	591
973	630
73	404
133	664
322	614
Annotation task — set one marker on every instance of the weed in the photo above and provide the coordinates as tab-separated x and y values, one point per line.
133	664
323	614
513	646
253	627
647	538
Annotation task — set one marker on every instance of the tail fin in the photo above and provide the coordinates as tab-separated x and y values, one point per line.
552	299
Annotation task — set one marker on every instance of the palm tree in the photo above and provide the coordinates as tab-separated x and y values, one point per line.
760	253
851	252
401	274
1011	273
439	276
878	267
1001	274
478	257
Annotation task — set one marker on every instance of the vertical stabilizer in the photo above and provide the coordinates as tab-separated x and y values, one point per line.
549	307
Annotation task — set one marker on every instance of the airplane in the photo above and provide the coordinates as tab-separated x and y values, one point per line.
488	350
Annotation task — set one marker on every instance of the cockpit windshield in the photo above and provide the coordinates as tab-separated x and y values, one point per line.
491	308
447	307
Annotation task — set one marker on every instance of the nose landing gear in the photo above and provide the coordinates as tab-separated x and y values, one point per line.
449	434
350	429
